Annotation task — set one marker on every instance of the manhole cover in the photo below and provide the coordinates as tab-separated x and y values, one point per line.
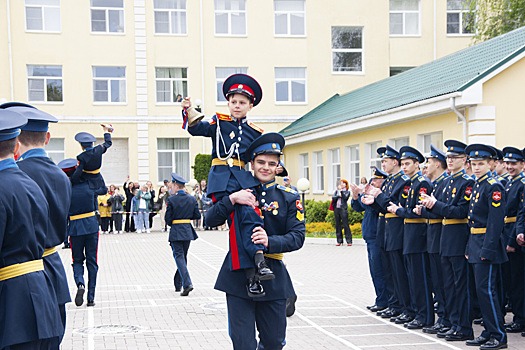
109	329
215	306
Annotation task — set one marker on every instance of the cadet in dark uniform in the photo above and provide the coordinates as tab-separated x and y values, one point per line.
499	170
520	230
283	231
181	208
369	228
415	240
83	234
90	160
513	276
485	249
34	161
396	192
29	316
453	207
436	172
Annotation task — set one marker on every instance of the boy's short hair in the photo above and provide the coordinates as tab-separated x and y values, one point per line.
32	138
7	147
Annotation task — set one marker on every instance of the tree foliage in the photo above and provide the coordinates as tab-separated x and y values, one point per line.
496	17
202	167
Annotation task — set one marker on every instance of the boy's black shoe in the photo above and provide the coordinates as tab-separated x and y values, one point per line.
263	271
91	303
255	288
79	298
290	305
186	291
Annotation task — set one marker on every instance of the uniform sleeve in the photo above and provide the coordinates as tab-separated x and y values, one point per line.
406	212
293	238
196	212
75	177
3	223
168	217
458	210
520	220
107	142
219	212
495	223
357	205
203	128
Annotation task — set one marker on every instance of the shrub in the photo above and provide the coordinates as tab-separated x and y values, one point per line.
316	210
320	229
202	167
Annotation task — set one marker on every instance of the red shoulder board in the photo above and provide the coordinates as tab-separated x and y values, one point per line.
468	190
423	190
255	127
406	189
496	196
299	205
224	117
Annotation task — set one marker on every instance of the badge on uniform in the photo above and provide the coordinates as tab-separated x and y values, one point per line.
405	191
232	135
496	197
299	205
468	193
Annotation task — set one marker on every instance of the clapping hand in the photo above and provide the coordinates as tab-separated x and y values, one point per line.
392	208
428	201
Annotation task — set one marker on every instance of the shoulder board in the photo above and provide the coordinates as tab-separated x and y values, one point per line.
466	177
421	179
224	117
491	181
255	127
405	177
523	180
397	175
286	189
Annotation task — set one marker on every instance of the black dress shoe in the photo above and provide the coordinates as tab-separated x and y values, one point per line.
376	308
186	290
523	334
178	289
444	332
290	306
79	298
515	328
435	329
414	324
264	272
255	288
458	336
388	313
493	344
403	319
371	306
90	303
478	320
477	341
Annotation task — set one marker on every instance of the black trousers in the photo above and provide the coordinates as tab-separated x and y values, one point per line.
341	223
399	276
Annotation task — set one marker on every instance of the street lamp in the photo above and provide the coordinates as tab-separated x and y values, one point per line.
303	185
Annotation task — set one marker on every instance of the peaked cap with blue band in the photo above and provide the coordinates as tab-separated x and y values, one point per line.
242	84
512	154
67	163
455	148
437	154
85	137
499	153
10	124
269	143
178	179
408	152
15	104
477	151
378	173
387	152
37	120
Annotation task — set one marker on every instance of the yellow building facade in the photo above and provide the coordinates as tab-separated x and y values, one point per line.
125	62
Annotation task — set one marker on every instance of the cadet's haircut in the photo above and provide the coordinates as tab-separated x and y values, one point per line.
32	138
7	147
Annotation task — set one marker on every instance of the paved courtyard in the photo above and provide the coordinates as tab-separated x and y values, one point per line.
138	308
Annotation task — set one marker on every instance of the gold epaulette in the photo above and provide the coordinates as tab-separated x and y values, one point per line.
224	117
255	127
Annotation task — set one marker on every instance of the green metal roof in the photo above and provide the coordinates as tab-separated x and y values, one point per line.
452	73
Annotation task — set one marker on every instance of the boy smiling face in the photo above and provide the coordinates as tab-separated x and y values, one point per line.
239	105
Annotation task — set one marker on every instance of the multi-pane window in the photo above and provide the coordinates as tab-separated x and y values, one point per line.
319	171
460	18
172	84
374	158
221	73
55	149
170	16
352	162
43	15
173	157
334	159
109	84
347	49
289	17
290	84
107	16
425	140
44	83
304	170
399	142
404	17
230	17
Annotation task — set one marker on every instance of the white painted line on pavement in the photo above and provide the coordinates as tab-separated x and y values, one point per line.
392	345
351	325
325	307
339	317
91	324
371	334
152	302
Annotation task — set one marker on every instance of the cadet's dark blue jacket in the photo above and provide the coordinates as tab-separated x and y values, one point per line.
369	224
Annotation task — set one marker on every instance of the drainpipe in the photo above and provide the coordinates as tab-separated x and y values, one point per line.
460	116
10	51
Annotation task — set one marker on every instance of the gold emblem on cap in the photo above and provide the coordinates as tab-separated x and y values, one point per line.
477	153
241	86
274	145
451	148
510	155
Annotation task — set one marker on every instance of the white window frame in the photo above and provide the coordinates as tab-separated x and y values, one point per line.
353	171
317	158
373	158
172	82
399	142
461	13
289	14
425	140
220	78
182	172
404	13
334	159
290	83
304	168
106	10
56	154
361	51
48	7
46	81
109	80
230	13
179	11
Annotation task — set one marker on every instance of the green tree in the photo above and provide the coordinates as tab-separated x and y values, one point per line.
496	17
202	167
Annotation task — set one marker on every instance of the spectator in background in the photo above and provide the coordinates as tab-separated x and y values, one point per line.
178	99
197	193
152	212
129	188
363	182
134	206
104	209
110	192
206	205
287	182
117	208
340	204
144	199
160	206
